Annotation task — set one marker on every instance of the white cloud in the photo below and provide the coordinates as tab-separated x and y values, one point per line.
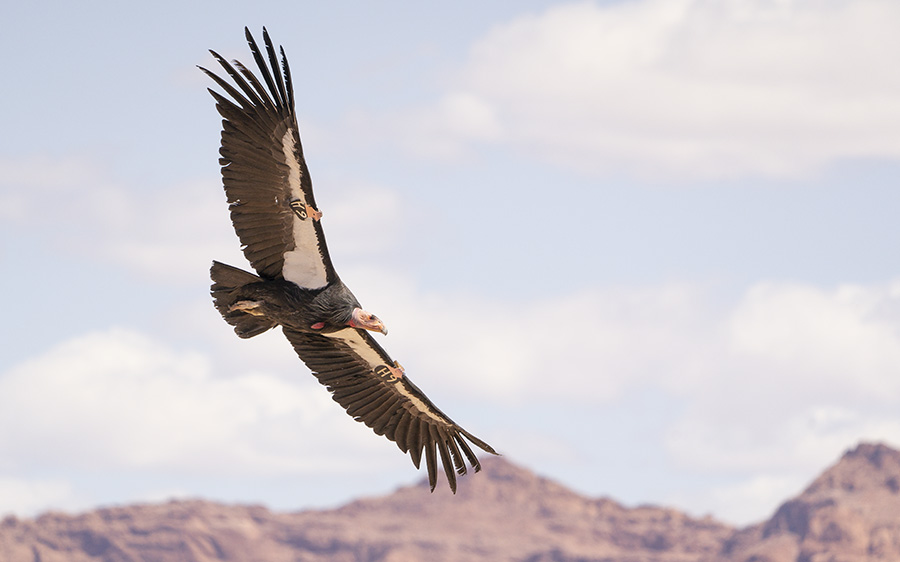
588	347
770	388
172	234
685	87
29	496
762	392
822	337
784	343
69	205
364	220
798	375
118	399
747	501
768	456
795	362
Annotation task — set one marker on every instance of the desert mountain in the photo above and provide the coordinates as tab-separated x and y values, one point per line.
850	513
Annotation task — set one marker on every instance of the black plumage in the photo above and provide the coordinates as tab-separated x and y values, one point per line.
275	216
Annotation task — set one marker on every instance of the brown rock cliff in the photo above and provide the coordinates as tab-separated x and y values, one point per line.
851	513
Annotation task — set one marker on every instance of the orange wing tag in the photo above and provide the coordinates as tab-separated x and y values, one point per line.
390	374
302	210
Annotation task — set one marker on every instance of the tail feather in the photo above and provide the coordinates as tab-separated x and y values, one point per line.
226	280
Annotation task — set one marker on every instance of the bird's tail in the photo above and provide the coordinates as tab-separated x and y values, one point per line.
226	280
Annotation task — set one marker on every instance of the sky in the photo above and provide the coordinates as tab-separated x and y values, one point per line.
646	248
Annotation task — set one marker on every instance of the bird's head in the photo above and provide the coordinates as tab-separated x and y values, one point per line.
366	320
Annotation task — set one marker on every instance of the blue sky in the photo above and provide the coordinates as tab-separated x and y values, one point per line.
645	247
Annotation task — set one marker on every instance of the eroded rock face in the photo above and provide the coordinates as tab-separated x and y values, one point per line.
504	513
850	513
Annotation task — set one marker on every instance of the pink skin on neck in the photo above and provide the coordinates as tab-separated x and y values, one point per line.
366	320
360	319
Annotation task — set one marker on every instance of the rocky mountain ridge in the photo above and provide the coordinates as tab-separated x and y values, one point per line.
851	513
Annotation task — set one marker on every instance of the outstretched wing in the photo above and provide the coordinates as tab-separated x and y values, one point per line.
265	176
358	373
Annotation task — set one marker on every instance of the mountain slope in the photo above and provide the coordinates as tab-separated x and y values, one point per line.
505	513
851	513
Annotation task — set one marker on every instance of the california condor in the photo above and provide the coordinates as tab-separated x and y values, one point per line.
276	218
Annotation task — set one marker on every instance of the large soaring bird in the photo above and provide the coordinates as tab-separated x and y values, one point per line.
275	216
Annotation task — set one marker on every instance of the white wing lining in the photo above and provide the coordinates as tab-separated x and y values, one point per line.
358	345
303	265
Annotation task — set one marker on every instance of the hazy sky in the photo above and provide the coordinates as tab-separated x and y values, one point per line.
647	248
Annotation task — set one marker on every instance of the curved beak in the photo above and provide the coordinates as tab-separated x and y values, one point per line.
367	321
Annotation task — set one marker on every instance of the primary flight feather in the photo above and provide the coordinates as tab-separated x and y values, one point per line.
276	218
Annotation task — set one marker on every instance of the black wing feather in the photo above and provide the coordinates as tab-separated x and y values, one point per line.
414	443
389	412
430	461
440	439
285	67
273	62
267	184
263	68
401	432
397	409
260	148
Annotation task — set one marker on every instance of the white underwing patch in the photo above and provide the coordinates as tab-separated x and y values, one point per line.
303	265
373	359
359	346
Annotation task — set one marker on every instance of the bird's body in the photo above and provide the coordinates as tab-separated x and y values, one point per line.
280	302
274	214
